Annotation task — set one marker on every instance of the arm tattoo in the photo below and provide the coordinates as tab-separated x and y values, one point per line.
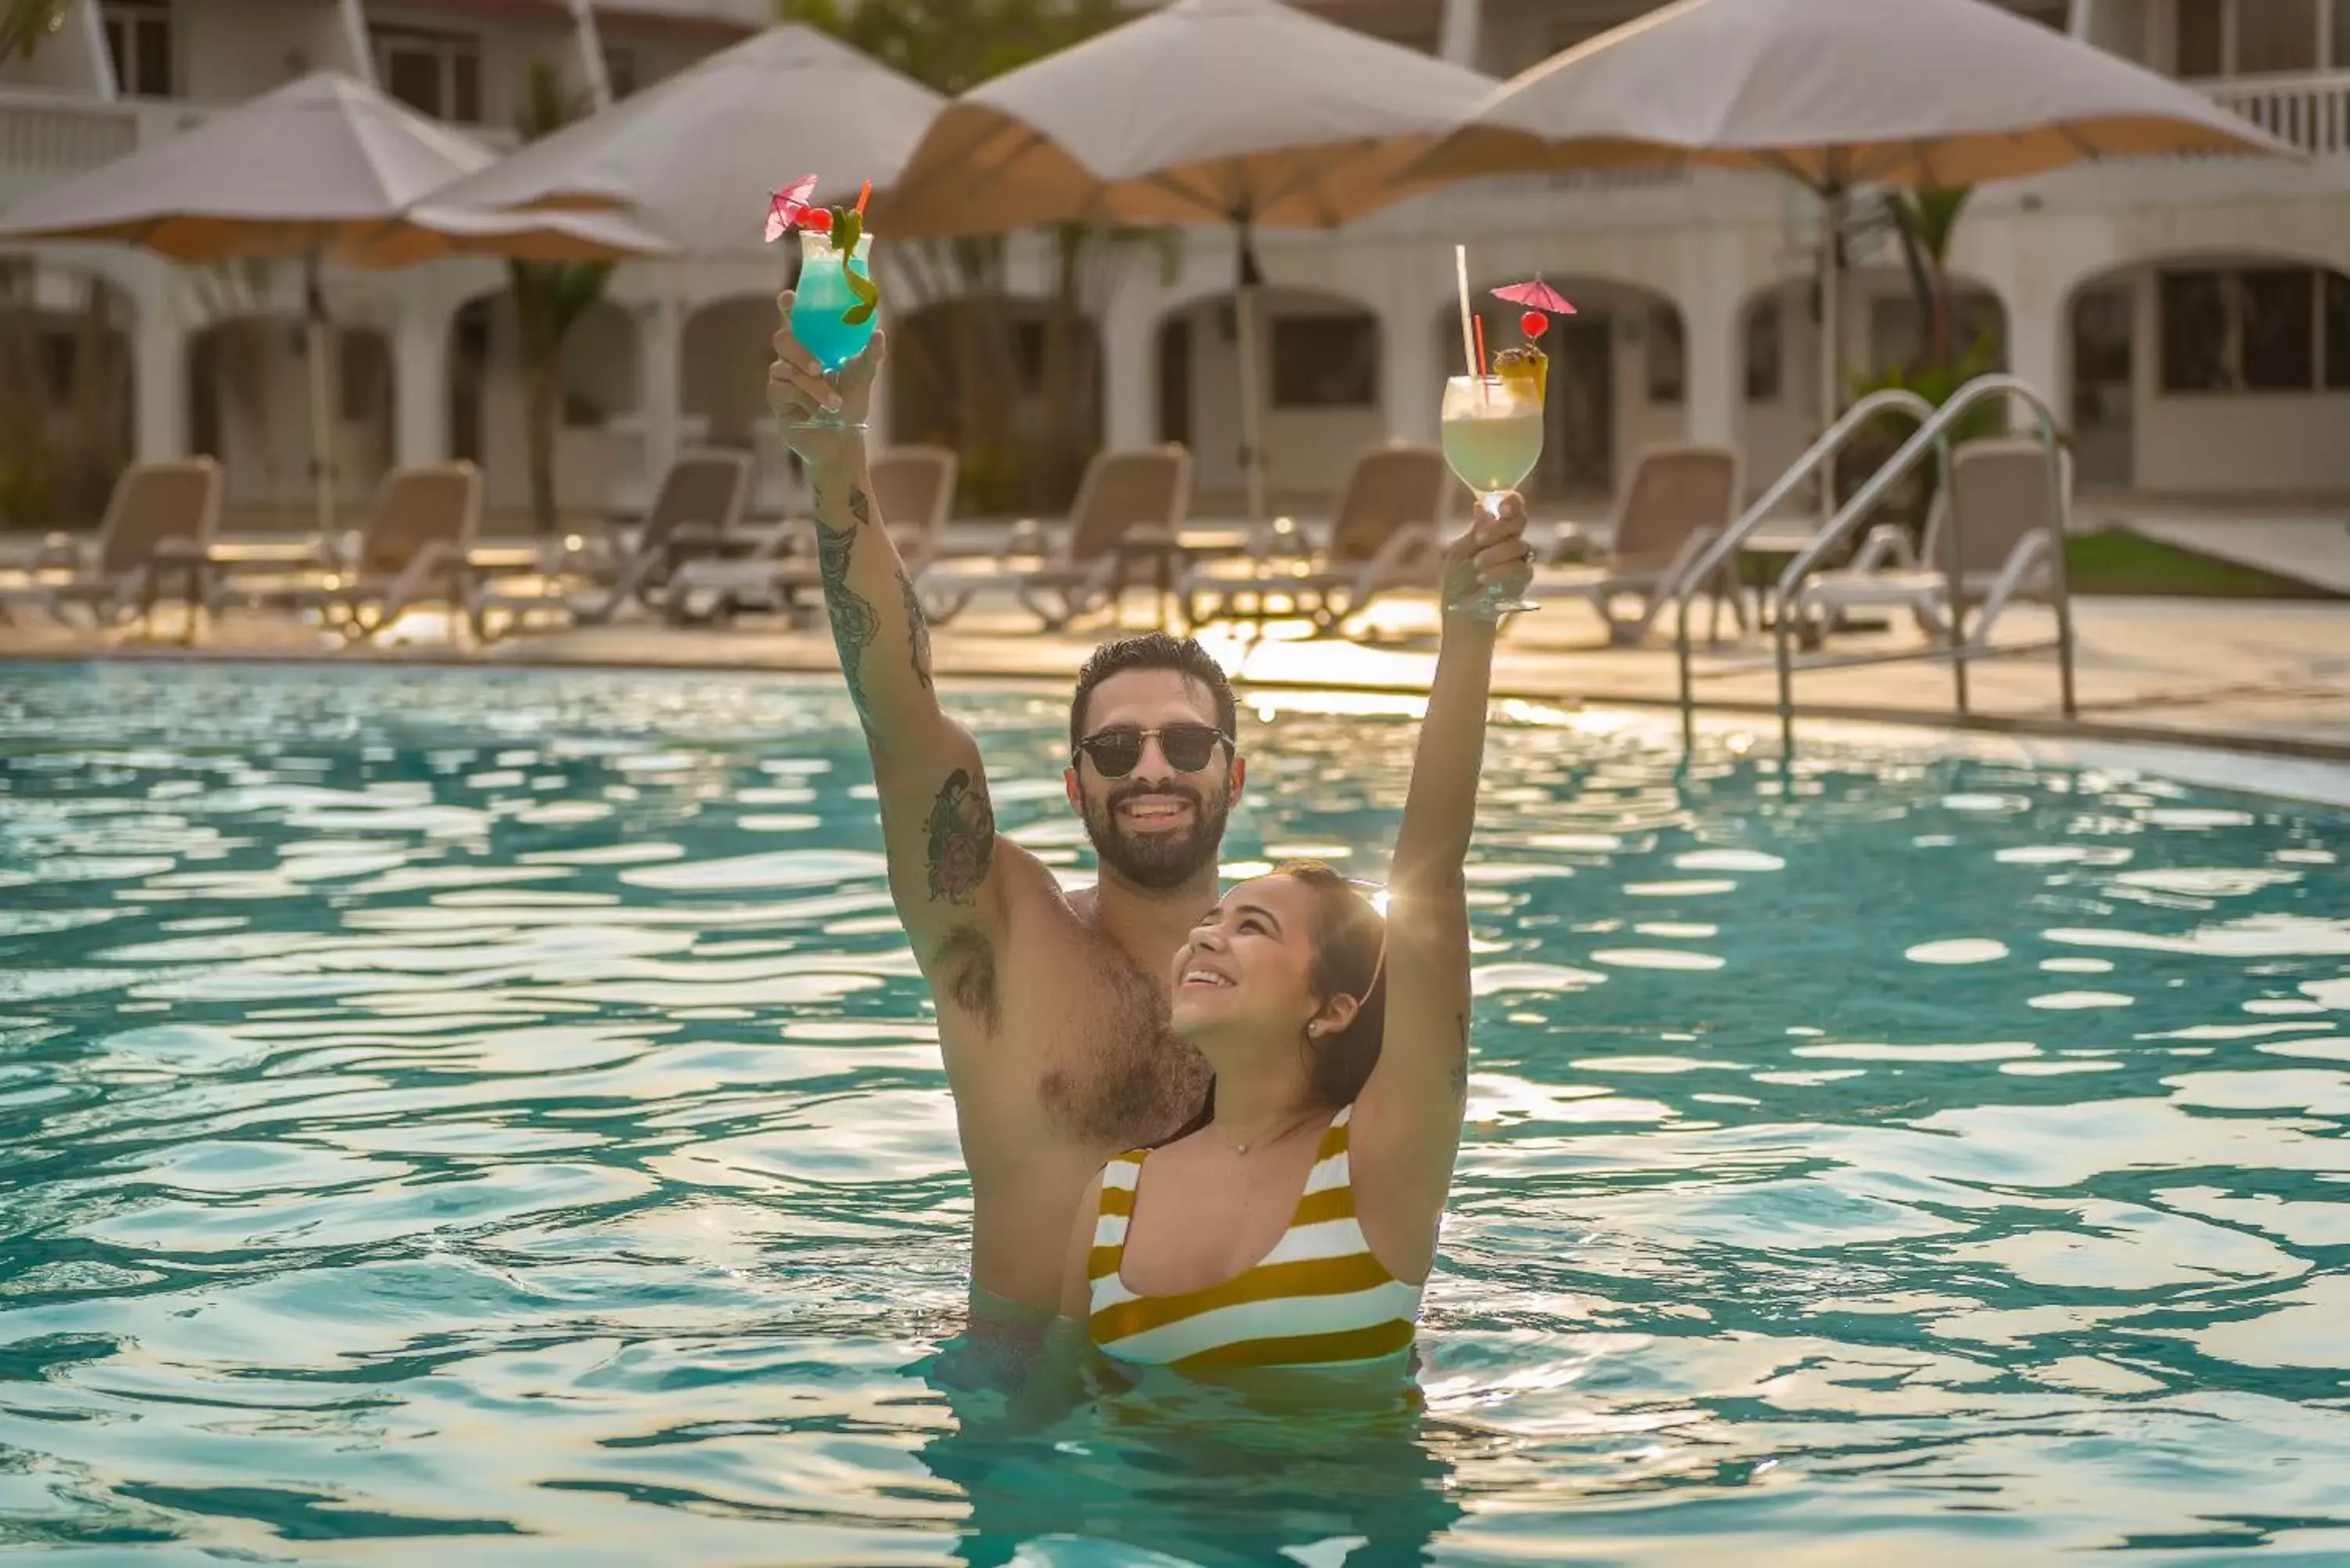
1460	1068
918	629
962	839
860	505
855	622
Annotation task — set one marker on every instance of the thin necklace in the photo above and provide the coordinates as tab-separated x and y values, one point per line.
1269	1135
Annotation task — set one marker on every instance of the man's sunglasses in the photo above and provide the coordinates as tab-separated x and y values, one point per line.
1118	751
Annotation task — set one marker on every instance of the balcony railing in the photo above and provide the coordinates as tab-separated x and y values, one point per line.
47	136
2311	112
50	135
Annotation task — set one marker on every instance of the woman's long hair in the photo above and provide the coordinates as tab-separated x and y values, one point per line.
1349	938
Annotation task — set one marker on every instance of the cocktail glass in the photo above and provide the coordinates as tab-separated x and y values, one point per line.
823	298
1492	429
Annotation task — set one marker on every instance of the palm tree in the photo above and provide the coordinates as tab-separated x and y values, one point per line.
25	25
1927	221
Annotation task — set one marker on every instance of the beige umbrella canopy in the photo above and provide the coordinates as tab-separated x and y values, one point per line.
1239	111
695	156
1835	93
326	168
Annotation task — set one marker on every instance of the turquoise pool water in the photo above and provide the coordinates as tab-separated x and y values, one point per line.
459	1117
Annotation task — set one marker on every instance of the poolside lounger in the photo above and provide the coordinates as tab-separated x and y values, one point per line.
696	514
1387	534
158	513
1129	504
914	487
1999	493
414	544
1680	500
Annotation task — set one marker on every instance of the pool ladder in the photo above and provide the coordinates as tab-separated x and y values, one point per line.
1932	436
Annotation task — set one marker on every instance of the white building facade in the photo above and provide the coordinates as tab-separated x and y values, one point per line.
2191	318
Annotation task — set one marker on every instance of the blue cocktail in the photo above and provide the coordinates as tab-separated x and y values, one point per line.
825	298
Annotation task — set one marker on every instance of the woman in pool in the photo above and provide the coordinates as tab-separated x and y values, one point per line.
1295	1223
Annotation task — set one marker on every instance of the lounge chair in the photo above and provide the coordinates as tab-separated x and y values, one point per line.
1387	534
1129	504
696	514
1999	493
159	513
914	485
415	542
1680	500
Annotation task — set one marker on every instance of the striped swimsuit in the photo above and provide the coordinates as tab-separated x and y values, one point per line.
1318	1298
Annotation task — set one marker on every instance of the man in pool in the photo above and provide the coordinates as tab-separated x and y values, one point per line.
1052	1007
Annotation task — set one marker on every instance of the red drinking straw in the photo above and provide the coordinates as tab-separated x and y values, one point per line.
1480	347
862	196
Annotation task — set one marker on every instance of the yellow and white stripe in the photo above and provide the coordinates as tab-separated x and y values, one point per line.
1318	1298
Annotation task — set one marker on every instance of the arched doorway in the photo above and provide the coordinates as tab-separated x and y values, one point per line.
2212	373
1321	370
250	407
1618	378
489	409
1012	384
65	397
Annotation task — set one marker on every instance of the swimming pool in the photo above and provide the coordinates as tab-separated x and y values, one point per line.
471	1117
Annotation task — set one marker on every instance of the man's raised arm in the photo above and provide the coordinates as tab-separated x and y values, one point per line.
935	816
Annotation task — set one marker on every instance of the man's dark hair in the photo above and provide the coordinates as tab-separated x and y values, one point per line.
1154	650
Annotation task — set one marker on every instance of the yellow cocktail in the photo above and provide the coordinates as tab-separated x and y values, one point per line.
1492	430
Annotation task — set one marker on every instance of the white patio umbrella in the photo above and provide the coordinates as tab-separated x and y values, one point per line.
1835	93
693	157
326	168
1244	112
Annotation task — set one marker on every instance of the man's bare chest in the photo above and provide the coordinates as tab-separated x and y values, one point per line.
1109	1070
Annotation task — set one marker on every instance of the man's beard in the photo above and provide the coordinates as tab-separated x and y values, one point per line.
1164	859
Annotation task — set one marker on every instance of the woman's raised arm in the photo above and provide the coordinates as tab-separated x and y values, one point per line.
1407	1122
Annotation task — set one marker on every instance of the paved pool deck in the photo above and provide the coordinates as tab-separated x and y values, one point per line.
2314	550
2247	675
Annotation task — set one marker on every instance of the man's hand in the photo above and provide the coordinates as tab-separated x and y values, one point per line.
801	393
1490	563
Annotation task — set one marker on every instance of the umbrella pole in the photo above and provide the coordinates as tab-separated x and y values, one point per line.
1251	411
322	462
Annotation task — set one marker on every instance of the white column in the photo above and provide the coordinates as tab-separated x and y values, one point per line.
352	13
90	33
1458	35
1713	341
2035	345
1130	388
660	329
2036	319
2081	21
419	379
160	406
591	54
878	424
1412	372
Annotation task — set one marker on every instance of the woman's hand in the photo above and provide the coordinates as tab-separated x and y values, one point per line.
800	394
1492	563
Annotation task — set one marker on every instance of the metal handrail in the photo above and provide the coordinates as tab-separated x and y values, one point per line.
1934	432
1889	399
